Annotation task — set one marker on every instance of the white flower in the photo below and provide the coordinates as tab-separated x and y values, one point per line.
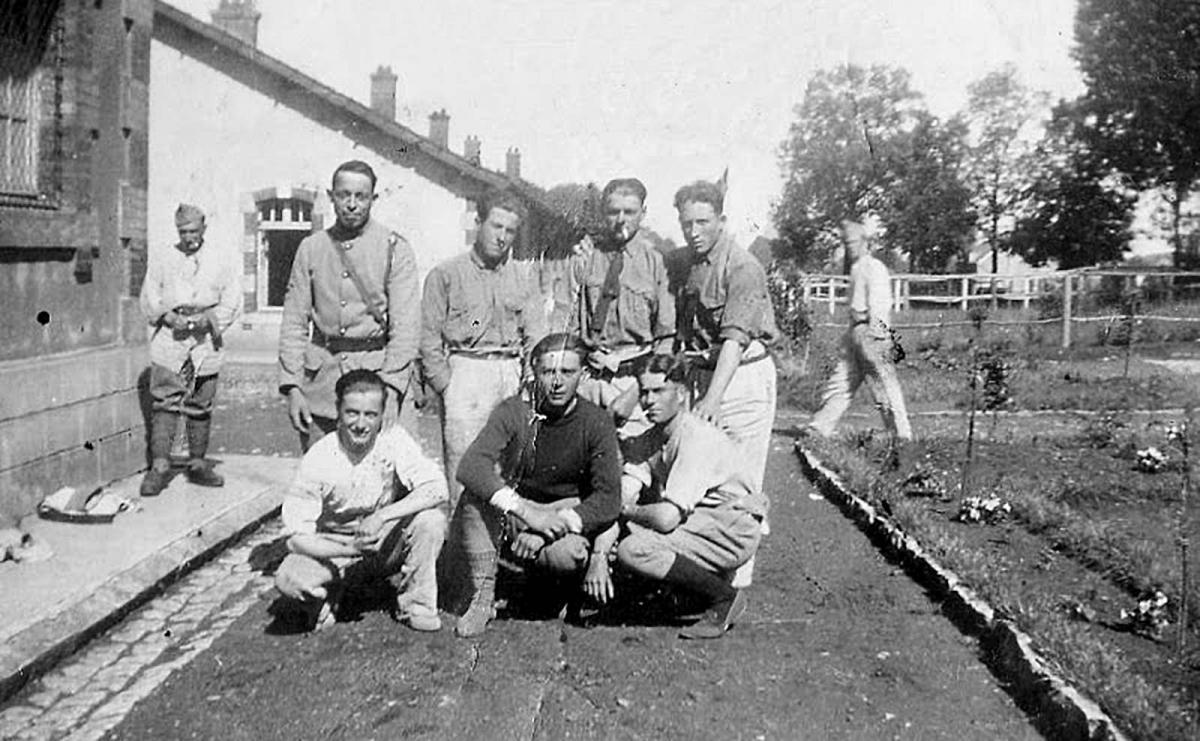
1151	460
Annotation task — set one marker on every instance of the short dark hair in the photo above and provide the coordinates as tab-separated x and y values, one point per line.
675	367
701	191
630	186
501	199
357	167
558	342
359	379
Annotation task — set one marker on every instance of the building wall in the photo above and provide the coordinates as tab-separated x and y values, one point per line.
71	345
216	142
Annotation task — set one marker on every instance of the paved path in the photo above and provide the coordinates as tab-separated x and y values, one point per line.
838	643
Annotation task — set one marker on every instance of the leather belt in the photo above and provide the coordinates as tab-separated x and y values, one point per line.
495	354
189	310
339	345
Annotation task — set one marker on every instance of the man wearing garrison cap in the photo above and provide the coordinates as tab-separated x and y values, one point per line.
191	295
352	301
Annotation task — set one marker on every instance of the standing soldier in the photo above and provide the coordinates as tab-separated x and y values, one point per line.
867	347
481	311
191	295
350	304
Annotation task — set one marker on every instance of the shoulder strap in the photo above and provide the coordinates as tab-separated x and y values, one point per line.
372	305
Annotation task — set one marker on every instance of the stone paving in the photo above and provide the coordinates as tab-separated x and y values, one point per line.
88	694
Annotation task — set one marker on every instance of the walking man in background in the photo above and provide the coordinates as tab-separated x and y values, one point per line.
364	498
544	472
191	295
867	347
351	303
704	516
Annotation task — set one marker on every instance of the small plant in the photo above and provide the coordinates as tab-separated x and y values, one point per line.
1151	460
989	510
1149	618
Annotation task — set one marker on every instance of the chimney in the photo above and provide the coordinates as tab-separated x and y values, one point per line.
238	18
512	163
473	150
383	92
439	128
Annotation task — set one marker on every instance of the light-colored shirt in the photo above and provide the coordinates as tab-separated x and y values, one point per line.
321	293
331	493
469	306
723	296
871	292
644	311
698	465
204	278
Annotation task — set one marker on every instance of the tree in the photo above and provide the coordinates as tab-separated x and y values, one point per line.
834	160
1079	215
999	111
928	213
1140	61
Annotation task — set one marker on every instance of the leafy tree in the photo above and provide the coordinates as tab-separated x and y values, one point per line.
999	110
1079	215
928	211
835	157
1140	60
576	211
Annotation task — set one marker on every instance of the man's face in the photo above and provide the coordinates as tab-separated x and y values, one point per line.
623	213
701	226
661	399
558	376
360	417
497	233
191	235
352	196
855	237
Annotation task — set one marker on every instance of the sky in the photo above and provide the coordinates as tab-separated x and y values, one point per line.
669	92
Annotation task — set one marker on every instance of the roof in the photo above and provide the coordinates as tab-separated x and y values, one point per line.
245	63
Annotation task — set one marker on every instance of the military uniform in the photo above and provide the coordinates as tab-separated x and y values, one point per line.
329	328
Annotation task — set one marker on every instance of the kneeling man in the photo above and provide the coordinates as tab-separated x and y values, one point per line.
704	517
365	498
545	472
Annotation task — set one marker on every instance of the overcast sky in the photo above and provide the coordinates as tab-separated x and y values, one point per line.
665	91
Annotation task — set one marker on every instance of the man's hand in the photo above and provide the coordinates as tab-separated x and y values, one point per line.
708	410
546	522
527	545
584	246
299	412
368	536
597	582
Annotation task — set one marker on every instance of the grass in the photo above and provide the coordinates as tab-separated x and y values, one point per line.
1088	536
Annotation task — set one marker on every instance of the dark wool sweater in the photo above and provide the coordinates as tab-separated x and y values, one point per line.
573	456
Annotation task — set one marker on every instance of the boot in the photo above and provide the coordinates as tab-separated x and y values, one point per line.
726	604
157	478
162	436
483	598
198	471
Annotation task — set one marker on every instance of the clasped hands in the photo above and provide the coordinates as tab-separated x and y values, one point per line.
543	525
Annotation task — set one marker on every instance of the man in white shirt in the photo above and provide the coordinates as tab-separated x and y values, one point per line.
367	500
866	353
701	518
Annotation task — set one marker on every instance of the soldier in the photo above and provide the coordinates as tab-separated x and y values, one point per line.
480	313
704	516
354	285
867	347
545	467
364	499
190	296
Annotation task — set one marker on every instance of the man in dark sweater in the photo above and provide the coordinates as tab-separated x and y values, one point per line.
545	469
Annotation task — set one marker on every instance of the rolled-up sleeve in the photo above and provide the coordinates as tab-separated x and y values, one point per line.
746	302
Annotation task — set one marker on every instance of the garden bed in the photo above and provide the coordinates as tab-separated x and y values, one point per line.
1084	547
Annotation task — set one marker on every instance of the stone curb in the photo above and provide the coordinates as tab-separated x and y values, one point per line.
1061	711
36	650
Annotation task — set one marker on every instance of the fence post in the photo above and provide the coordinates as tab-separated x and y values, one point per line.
964	292
1068	290
832	293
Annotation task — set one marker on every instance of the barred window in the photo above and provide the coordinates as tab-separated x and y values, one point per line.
20	106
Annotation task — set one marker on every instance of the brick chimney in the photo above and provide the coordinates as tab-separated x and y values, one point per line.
238	18
383	92
512	163
473	150
439	128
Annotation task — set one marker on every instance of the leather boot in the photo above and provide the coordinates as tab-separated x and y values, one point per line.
199	472
483	598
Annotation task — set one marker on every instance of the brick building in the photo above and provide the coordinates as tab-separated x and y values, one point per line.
74	78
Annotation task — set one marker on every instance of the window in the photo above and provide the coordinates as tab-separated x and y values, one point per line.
31	105
20	105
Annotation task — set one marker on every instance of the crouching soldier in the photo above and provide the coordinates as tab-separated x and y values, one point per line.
367	500
544	472
704	515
